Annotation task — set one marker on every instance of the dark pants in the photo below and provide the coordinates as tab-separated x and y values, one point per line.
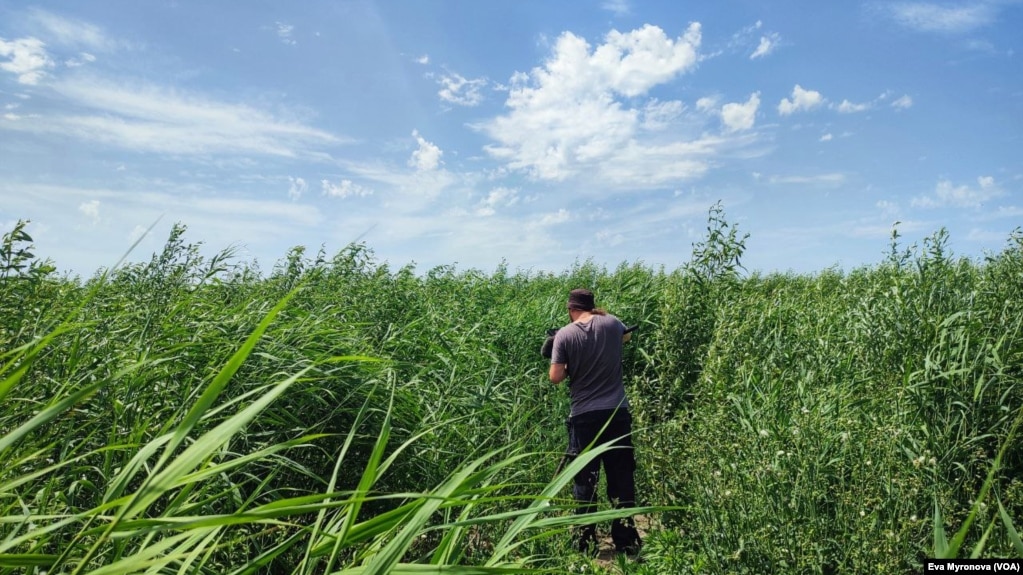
619	465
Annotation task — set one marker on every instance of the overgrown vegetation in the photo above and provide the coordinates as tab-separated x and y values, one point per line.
192	415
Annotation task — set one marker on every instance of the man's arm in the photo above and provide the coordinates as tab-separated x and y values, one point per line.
558	372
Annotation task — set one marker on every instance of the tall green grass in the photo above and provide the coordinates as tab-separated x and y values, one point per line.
193	414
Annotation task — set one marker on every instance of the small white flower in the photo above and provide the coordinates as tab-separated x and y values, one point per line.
764	433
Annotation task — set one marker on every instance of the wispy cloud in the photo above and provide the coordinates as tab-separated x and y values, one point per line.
619	7
947	194
297	187
72	33
903	103
91	210
80	60
850	107
496	199
459	90
284	32
559	217
847	107
344	189
945	18
831	179
755	41
657	115
767	45
152	118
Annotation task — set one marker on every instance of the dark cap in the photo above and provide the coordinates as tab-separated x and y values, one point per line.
581	299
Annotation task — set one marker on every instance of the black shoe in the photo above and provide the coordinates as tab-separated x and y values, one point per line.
588	547
631	551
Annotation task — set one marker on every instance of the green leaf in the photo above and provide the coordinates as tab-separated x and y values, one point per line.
1010	529
26	560
940	541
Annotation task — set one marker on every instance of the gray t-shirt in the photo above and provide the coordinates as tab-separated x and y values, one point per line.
592	351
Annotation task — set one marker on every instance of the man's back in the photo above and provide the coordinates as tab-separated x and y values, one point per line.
592	350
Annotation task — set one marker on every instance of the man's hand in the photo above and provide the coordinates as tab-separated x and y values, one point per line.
558	372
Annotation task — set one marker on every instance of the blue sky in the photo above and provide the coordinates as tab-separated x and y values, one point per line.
534	133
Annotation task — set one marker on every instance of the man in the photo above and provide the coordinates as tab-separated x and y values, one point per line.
588	352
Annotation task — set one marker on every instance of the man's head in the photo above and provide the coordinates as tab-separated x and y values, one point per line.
580	300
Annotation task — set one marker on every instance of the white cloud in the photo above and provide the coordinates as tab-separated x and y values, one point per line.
1008	212
986	235
755	41
820	179
502	197
27	58
497	198
427	157
81	60
458	90
946	18
137	233
284	33
151	118
889	210
559	217
948	194
826	137
344	189
610	238
706	104
91	210
802	100
767	45
903	103
740	116
424	59
73	33
578	113
659	115
297	187
847	107
619	7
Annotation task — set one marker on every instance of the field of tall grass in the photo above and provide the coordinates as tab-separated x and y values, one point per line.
194	414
